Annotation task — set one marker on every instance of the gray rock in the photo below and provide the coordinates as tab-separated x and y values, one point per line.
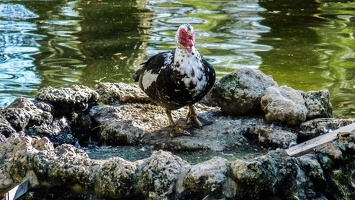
208	177
6	129
239	93
316	127
126	125
67	100
274	175
116	178
263	174
22	115
318	104
272	136
115	93
160	174
58	132
284	104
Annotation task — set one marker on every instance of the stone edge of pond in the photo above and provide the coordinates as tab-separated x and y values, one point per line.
163	175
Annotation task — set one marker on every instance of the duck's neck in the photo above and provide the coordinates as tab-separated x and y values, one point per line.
181	54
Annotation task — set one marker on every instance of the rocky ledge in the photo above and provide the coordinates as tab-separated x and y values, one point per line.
42	140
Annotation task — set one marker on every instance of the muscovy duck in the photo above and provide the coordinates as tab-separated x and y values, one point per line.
178	78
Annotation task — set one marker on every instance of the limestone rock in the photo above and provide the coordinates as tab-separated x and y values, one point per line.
116	178
22	113
316	127
208	177
67	100
272	136
239	93
284	104
23	116
114	93
160	175
163	175
6	129
318	104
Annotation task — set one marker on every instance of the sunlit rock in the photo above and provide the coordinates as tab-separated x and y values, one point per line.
115	93
239	93
284	104
163	175
67	100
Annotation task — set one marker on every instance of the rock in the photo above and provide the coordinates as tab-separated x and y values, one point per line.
284	104
68	100
115	93
116	178
36	115
318	104
125	125
263	174
163	175
6	129
239	93
22	115
17	117
72	103
316	127
272	136
59	132
208	177
160	175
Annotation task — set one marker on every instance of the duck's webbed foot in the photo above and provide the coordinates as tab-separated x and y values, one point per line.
177	130
195	120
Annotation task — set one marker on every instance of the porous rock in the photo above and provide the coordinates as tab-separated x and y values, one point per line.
239	92
207	177
160	174
23	116
23	113
316	127
163	175
115	93
6	129
67	100
272	136
318	104
284	104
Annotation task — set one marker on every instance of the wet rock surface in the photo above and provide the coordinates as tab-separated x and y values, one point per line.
40	141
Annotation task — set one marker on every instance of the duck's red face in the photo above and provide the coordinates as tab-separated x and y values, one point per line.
187	37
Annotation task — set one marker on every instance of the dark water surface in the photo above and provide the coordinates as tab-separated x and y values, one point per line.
305	44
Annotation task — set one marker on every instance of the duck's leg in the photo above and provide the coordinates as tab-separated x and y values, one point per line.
176	130
197	121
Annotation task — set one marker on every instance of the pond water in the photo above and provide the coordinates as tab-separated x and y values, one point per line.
305	44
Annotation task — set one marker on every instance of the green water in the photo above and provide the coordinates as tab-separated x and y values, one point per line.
305	44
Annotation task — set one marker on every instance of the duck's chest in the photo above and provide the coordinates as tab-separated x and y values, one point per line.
189	71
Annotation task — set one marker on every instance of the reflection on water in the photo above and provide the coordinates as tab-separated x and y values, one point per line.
308	45
18	45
